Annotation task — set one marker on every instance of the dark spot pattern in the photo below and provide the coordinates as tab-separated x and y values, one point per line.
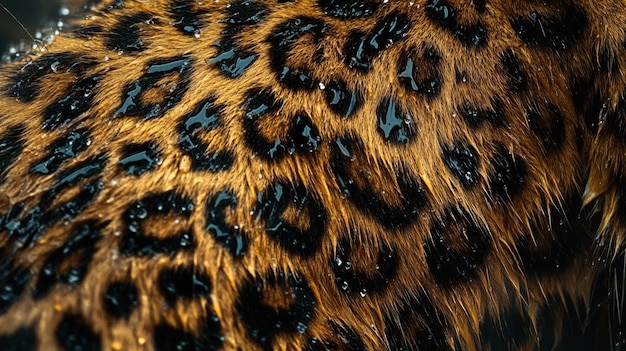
69	263
546	121
23	339
137	242
11	146
458	246
170	77
445	15
126	35
347	151
419	71
24	85
242	13
13	281
361	48
351	280
77	100
232	238
264	322
341	100
588	101
277	199
120	299
63	149
463	161
208	338
137	159
260	107
204	117
345	338
616	119
475	115
346	9
508	176
282	41
557	32
509	330
187	282
232	60
187	17
394	123
74	334
518	80
416	324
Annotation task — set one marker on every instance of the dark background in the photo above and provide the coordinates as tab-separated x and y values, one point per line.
33	14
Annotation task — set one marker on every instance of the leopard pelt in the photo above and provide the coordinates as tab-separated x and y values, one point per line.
317	175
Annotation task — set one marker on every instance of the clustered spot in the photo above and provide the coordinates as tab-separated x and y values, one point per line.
347	9
168	77
589	103
615	121
137	242
231	60
136	159
126	35
475	115
457	247
11	146
187	17
265	319
13	281
556	32
463	161
361	48
282	41
62	149
208	338
344	338
186	282
232	238
507	331
419	71
74	333
341	100
513	69
260	108
347	151
374	279
546	121
23	339
395	124
282	197
445	15
120	299
508	176
204	117
77	100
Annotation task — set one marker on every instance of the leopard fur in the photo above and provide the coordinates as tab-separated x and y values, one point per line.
317	175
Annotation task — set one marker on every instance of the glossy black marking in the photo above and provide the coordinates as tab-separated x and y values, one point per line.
361	48
546	121
464	162
77	100
183	283
126	35
557	32
69	177
11	146
457	247
137	159
136	241
23	339
187	17
347	9
25	83
232	238
208	338
420	71
63	149
282	41
264	322
394	123
588	101
444	15
609	61
74	334
302	136
69	263
344	338
203	118
508	331
342	100
120	299
351	280
231	60
416	324
508	176
475	115
13	280
170	77
276	200
479	5
241	13
412	198
515	74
